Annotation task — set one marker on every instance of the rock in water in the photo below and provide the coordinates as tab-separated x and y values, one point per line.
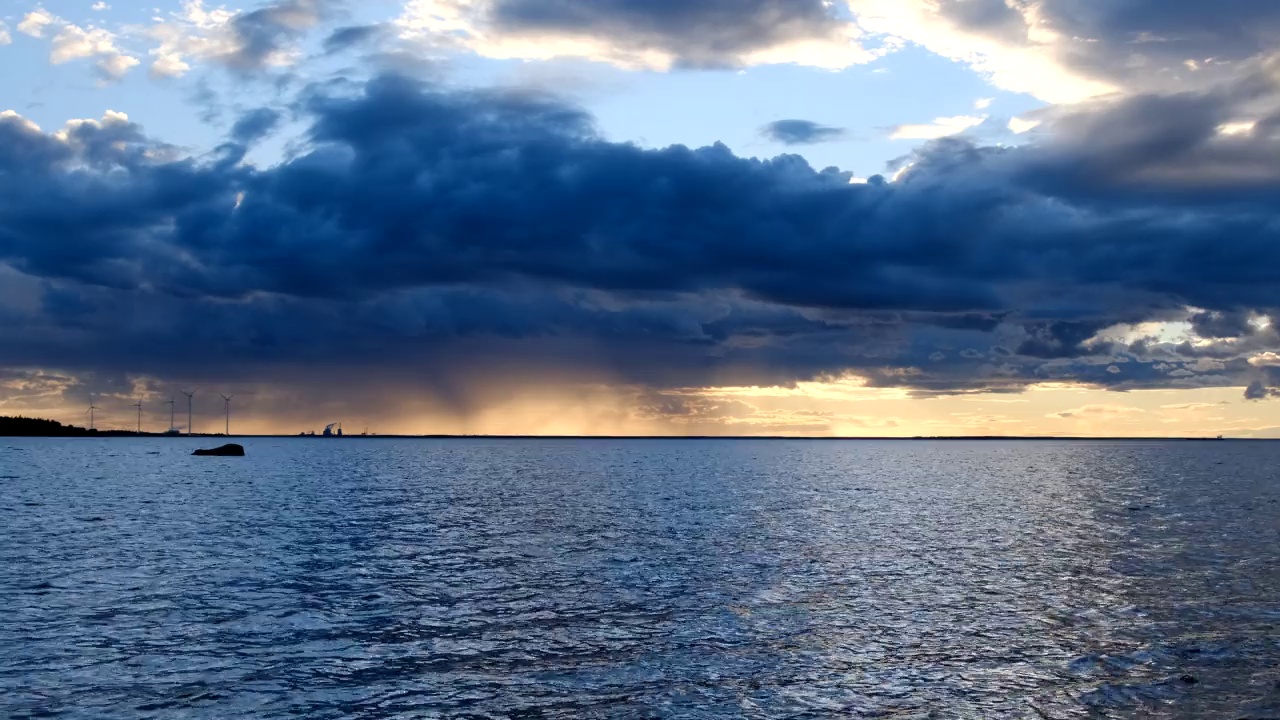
231	450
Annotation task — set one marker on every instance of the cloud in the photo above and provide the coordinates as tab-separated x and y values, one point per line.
242	41
73	42
445	236
1193	407
1068	51
1009	44
1217	325
351	36
939	128
1098	412
1257	390
35	22
262	37
255	125
643	34
1238	127
1061	51
800	132
5	37
1019	126
1265	359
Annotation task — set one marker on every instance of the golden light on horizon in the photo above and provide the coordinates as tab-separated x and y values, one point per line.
841	407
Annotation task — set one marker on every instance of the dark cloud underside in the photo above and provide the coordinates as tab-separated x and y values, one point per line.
709	33
1141	44
800	132
441	234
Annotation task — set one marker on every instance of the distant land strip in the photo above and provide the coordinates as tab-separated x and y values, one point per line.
37	427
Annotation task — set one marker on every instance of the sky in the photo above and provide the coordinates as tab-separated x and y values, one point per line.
631	217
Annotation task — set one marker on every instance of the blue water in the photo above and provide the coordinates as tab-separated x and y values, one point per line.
644	579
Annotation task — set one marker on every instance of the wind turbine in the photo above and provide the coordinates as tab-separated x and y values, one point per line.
139	406
171	405
92	407
226	403
189	396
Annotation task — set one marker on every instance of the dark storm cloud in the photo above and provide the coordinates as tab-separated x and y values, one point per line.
800	132
709	33
1215	325
1049	340
255	125
445	234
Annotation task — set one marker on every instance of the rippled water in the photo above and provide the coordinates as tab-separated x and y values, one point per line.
643	579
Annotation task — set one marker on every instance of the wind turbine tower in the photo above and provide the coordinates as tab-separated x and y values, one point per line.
226	405
139	406
92	408
171	405
189	396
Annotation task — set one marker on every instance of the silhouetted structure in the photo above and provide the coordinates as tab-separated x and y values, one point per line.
226	403
189	395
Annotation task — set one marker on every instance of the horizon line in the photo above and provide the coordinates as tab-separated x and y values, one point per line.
829	438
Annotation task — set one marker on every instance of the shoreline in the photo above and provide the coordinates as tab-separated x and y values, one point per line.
118	434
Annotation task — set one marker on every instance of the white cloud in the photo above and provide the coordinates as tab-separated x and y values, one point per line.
1239	127
982	103
1265	359
66	134
35	22
902	172
191	32
195	32
110	117
5	37
939	128
1019	126
13	115
114	67
1030	66
73	42
100	6
452	24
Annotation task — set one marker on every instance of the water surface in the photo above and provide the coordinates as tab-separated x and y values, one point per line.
639	579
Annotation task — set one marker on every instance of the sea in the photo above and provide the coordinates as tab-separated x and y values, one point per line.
500	578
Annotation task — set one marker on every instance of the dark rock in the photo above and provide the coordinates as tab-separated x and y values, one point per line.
1189	679
231	450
